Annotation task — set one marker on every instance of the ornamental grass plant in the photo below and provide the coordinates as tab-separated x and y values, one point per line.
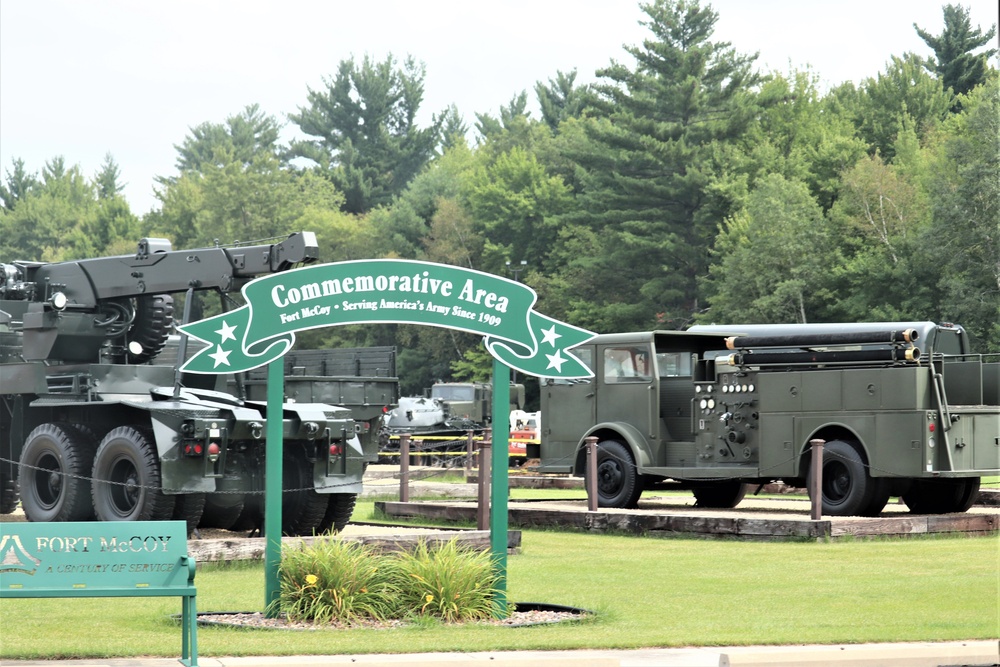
335	581
450	582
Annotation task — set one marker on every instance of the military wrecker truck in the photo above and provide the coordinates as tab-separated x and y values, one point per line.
93	425
904	409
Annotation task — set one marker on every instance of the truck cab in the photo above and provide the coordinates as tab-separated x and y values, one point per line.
639	404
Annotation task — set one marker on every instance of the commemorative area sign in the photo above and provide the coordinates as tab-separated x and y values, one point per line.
387	290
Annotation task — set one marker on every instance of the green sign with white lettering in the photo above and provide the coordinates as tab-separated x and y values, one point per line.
98	555
387	290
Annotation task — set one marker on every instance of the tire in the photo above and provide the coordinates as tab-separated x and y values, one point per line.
55	474
941	496
968	495
252	516
8	488
222	510
847	488
302	509
127	484
338	512
881	490
618	483
154	318
189	507
233	496
720	495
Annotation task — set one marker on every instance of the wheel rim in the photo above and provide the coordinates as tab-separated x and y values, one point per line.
837	482
48	481
609	477
126	486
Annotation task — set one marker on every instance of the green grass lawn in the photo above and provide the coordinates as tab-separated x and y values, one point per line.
646	592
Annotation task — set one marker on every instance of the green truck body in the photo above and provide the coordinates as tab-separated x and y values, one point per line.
909	413
97	421
361	379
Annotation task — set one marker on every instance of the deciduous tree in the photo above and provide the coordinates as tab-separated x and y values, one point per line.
965	235
773	258
904	93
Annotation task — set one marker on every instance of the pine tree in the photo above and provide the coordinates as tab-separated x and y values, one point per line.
366	138
959	68
646	170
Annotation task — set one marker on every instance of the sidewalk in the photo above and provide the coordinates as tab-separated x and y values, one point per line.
922	654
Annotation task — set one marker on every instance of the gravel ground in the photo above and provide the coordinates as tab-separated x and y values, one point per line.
258	620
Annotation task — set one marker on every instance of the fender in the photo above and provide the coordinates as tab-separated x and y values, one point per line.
839	430
627	433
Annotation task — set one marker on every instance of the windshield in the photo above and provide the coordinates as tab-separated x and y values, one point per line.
452	393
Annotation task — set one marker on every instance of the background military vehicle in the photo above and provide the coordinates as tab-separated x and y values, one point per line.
443	417
905	409
94	424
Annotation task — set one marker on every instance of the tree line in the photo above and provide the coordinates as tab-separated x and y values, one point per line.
683	186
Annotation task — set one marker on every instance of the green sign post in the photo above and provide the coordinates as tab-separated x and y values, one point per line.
273	477
499	483
385	291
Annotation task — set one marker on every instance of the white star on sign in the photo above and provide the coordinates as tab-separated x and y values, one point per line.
549	336
221	356
226	332
555	361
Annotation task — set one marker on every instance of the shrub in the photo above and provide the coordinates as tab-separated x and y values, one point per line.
451	582
338	581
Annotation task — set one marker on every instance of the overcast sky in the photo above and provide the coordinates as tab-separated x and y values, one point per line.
85	78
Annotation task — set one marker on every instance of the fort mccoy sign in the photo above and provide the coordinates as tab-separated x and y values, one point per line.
85	555
387	290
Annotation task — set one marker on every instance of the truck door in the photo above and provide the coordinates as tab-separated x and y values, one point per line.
568	407
625	374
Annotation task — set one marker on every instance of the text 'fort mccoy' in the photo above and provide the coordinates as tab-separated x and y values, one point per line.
419	292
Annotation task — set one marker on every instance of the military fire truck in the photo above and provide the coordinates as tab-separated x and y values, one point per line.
94	424
904	409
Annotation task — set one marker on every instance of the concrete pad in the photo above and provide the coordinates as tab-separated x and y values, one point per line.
518	659
930	654
912	654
